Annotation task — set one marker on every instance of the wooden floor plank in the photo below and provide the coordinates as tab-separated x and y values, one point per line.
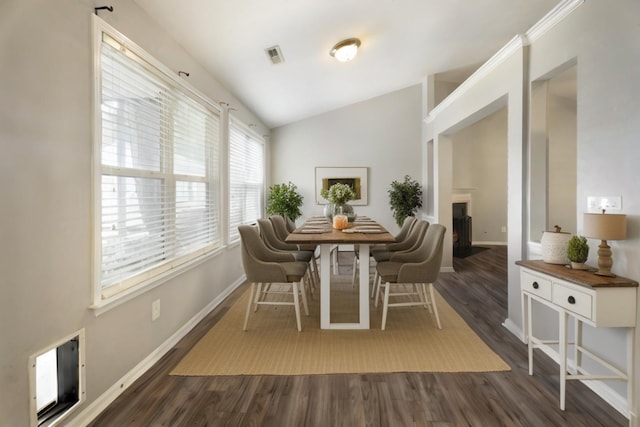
477	291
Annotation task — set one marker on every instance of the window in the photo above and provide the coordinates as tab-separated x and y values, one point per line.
246	177
158	192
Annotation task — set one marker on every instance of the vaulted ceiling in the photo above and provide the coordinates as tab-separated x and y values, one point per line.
402	42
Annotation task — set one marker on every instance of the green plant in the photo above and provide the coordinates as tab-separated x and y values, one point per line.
284	199
578	249
338	194
405	198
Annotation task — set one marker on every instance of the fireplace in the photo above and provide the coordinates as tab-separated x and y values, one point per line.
462	224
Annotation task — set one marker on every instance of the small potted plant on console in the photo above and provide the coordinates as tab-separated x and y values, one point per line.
578	252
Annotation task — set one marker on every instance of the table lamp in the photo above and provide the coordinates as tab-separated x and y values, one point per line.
605	227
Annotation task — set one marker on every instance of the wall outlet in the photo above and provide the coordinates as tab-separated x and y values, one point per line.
155	310
504	228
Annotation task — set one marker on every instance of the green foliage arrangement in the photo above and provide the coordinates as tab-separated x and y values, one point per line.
578	249
284	199
405	198
338	194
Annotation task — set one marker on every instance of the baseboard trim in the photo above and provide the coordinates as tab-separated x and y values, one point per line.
514	329
96	407
488	243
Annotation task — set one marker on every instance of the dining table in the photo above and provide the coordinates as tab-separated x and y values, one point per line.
364	232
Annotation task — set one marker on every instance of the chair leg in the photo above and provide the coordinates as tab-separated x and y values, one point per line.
425	298
374	286
296	305
307	285
378	281
303	292
258	294
316	273
246	316
355	271
433	304
385	307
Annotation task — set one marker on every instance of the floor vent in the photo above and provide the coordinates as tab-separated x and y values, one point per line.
274	54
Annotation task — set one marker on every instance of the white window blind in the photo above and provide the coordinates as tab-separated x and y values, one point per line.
246	177
159	179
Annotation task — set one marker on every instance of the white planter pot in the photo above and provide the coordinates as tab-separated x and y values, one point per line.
554	247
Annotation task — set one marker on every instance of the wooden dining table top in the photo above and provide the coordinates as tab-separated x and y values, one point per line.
318	230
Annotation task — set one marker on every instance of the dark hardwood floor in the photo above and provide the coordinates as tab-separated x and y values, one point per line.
478	291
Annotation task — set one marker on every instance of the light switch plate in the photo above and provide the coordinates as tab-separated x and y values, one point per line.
608	203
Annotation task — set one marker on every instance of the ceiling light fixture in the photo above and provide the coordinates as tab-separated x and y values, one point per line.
345	50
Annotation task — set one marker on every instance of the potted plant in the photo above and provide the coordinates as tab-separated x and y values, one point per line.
338	195
405	199
284	199
578	252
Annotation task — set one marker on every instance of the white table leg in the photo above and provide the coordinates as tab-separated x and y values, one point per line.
325	286
364	286
525	318
631	386
577	354
529	333
325	290
562	343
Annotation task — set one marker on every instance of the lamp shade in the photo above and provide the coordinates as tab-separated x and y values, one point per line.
605	226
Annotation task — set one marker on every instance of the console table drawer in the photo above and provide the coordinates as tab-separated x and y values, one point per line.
573	300
536	285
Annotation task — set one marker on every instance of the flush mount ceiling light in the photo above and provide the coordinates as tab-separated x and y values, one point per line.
345	50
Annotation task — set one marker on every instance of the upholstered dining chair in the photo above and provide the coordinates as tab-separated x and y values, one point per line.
268	234
411	241
413	271
262	265
401	236
282	227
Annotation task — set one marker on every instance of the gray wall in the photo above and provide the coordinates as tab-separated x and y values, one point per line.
601	37
382	134
480	169
45	213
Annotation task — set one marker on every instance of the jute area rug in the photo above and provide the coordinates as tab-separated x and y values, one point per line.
273	346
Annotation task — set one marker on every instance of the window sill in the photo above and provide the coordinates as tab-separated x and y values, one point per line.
104	306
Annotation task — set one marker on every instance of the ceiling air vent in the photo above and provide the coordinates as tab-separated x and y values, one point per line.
275	54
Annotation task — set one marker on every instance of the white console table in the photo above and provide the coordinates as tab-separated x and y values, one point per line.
599	301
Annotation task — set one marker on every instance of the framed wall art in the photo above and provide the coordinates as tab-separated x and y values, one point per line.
355	177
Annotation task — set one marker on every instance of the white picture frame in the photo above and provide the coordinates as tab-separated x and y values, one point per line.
354	176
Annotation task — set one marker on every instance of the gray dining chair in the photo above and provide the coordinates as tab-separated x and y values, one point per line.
412	240
401	236
270	237
263	266
282	228
414	273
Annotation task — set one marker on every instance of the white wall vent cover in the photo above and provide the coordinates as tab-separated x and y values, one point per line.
274	54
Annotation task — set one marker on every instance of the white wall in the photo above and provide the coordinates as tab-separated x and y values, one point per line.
604	40
601	37
45	212
480	170
382	134
562	164
495	87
